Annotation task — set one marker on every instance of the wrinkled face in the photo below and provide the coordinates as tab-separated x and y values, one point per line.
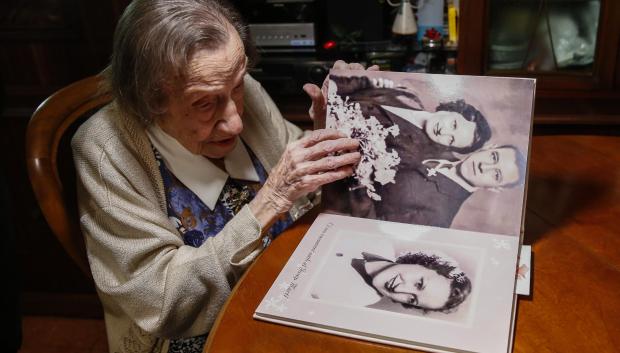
204	115
490	168
414	285
450	129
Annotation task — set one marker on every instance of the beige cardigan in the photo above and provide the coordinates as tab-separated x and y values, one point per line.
151	285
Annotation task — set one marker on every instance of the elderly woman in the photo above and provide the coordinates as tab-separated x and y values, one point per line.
188	173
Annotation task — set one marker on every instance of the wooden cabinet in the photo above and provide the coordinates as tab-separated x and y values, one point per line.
45	45
569	46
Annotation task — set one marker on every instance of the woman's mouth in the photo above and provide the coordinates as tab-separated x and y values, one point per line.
225	142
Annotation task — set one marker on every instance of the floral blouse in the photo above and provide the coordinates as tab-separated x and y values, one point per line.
196	222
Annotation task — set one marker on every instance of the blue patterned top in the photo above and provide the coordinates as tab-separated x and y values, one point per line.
196	222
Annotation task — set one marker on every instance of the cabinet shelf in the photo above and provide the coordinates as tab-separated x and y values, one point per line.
590	89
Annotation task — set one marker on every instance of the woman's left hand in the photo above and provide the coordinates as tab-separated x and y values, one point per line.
319	95
321	157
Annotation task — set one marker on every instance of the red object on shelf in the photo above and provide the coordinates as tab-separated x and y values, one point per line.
432	34
329	44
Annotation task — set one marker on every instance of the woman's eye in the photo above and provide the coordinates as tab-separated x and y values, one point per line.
420	284
203	105
454	124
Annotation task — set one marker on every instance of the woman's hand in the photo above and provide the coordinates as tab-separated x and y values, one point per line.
319	158
319	95
382	83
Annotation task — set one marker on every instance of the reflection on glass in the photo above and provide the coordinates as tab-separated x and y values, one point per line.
543	35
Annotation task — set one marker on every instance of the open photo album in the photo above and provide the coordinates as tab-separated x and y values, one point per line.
419	248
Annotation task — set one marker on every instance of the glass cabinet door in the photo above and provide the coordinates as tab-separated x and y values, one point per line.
543	35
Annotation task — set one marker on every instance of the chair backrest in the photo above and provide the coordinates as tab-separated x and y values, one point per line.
49	161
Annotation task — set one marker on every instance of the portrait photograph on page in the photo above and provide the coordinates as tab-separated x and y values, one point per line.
428	280
439	150
397	283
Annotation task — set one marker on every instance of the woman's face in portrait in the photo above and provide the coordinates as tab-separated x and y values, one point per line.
450	129
204	115
414	285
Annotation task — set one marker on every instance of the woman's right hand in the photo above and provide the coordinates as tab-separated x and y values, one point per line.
319	158
319	95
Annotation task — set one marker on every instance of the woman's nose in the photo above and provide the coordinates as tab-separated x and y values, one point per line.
485	167
408	286
231	121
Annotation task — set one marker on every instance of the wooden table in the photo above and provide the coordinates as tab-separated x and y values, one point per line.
573	225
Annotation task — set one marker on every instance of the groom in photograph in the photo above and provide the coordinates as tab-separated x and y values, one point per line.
432	192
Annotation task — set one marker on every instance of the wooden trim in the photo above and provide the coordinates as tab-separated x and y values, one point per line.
572	119
49	122
606	44
473	22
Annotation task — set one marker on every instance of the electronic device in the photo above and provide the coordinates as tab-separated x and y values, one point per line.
283	37
281	26
298	40
285	75
314	26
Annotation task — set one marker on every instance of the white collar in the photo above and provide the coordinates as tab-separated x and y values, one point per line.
448	169
409	115
197	172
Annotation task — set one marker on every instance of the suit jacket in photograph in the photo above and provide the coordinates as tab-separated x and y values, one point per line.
417	198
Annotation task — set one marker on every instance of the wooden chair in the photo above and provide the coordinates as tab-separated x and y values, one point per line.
50	164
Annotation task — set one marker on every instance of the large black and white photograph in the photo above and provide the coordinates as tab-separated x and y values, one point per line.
428	280
445	151
398	283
